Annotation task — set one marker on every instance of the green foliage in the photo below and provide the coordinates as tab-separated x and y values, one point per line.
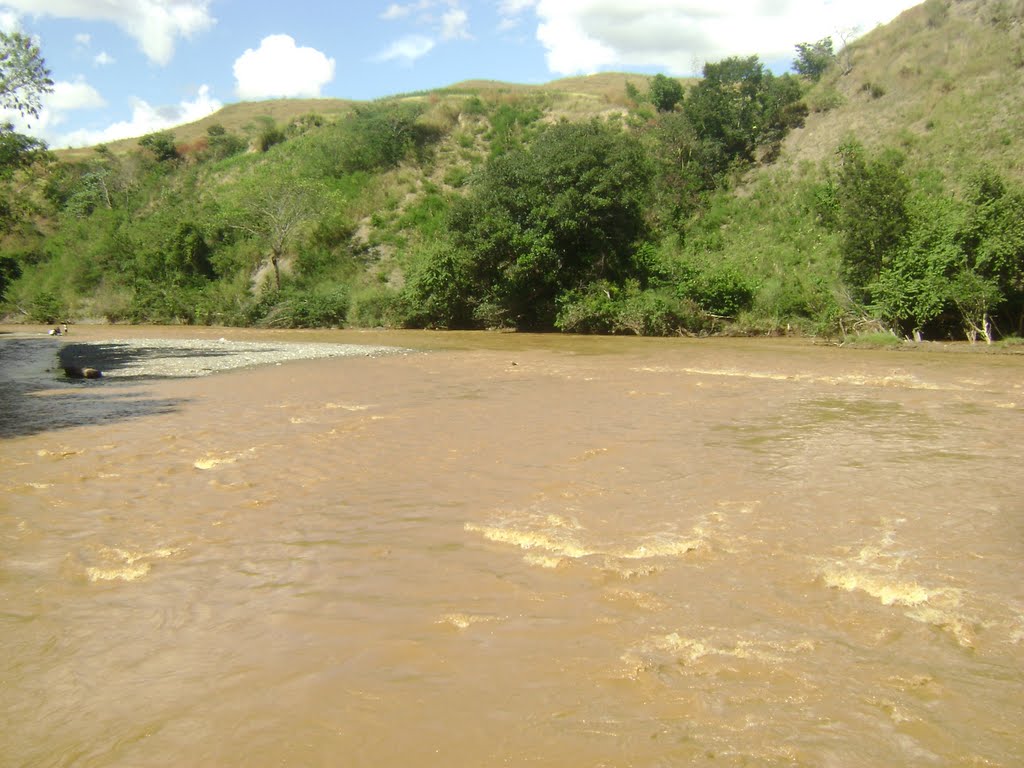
813	59
738	108
221	144
958	261
937	12
877	90
914	288
606	308
46	307
376	307
372	138
19	156
718	289
509	124
269	135
325	306
162	146
24	77
438	292
871	196
558	216
824	99
665	93
10	270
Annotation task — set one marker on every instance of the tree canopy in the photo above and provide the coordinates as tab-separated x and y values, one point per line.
24	77
812	59
567	211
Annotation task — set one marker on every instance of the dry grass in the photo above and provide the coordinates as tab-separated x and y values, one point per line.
940	72
242	118
578	96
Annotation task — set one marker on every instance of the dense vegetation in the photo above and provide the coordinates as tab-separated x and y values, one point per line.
654	208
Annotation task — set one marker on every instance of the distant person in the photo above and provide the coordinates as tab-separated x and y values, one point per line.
64	328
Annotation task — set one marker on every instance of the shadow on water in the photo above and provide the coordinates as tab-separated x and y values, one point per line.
36	396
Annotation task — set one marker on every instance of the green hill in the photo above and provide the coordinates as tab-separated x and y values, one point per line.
886	196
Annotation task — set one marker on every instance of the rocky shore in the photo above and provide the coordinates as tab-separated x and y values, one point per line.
173	358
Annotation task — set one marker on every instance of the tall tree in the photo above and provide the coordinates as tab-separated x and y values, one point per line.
812	59
566	212
665	93
24	77
739	108
274	213
872	214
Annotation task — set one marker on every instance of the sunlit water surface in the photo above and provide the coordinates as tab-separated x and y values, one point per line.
512	550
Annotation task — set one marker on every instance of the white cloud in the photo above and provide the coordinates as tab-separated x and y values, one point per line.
103	59
145	119
514	7
400	11
590	35
9	21
511	11
455	25
64	98
155	24
408	49
83	39
280	69
396	11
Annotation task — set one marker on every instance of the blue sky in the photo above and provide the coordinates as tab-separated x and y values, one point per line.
126	68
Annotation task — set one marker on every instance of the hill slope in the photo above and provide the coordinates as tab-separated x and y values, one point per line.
383	197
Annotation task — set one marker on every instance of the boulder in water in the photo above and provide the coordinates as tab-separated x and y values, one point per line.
74	372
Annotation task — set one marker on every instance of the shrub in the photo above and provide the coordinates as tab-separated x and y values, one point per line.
319	309
45	307
719	290
375	306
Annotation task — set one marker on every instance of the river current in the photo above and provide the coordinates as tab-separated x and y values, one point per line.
515	550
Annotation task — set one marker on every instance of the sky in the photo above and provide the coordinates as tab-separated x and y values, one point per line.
126	68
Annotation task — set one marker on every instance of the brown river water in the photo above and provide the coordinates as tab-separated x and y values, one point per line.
518	550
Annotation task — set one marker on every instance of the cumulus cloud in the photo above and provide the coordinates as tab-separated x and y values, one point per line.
407	49
281	69
591	35
145	119
455	25
65	97
103	59
155	24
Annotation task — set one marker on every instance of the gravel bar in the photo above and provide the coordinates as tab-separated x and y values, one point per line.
120	358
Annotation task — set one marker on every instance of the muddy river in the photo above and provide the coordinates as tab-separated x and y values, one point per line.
516	550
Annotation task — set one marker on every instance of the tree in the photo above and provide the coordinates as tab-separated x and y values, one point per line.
872	217
915	290
665	93
274	212
542	221
738	108
24	77
812	59
162	146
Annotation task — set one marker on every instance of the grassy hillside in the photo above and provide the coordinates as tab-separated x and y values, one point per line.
944	82
487	204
